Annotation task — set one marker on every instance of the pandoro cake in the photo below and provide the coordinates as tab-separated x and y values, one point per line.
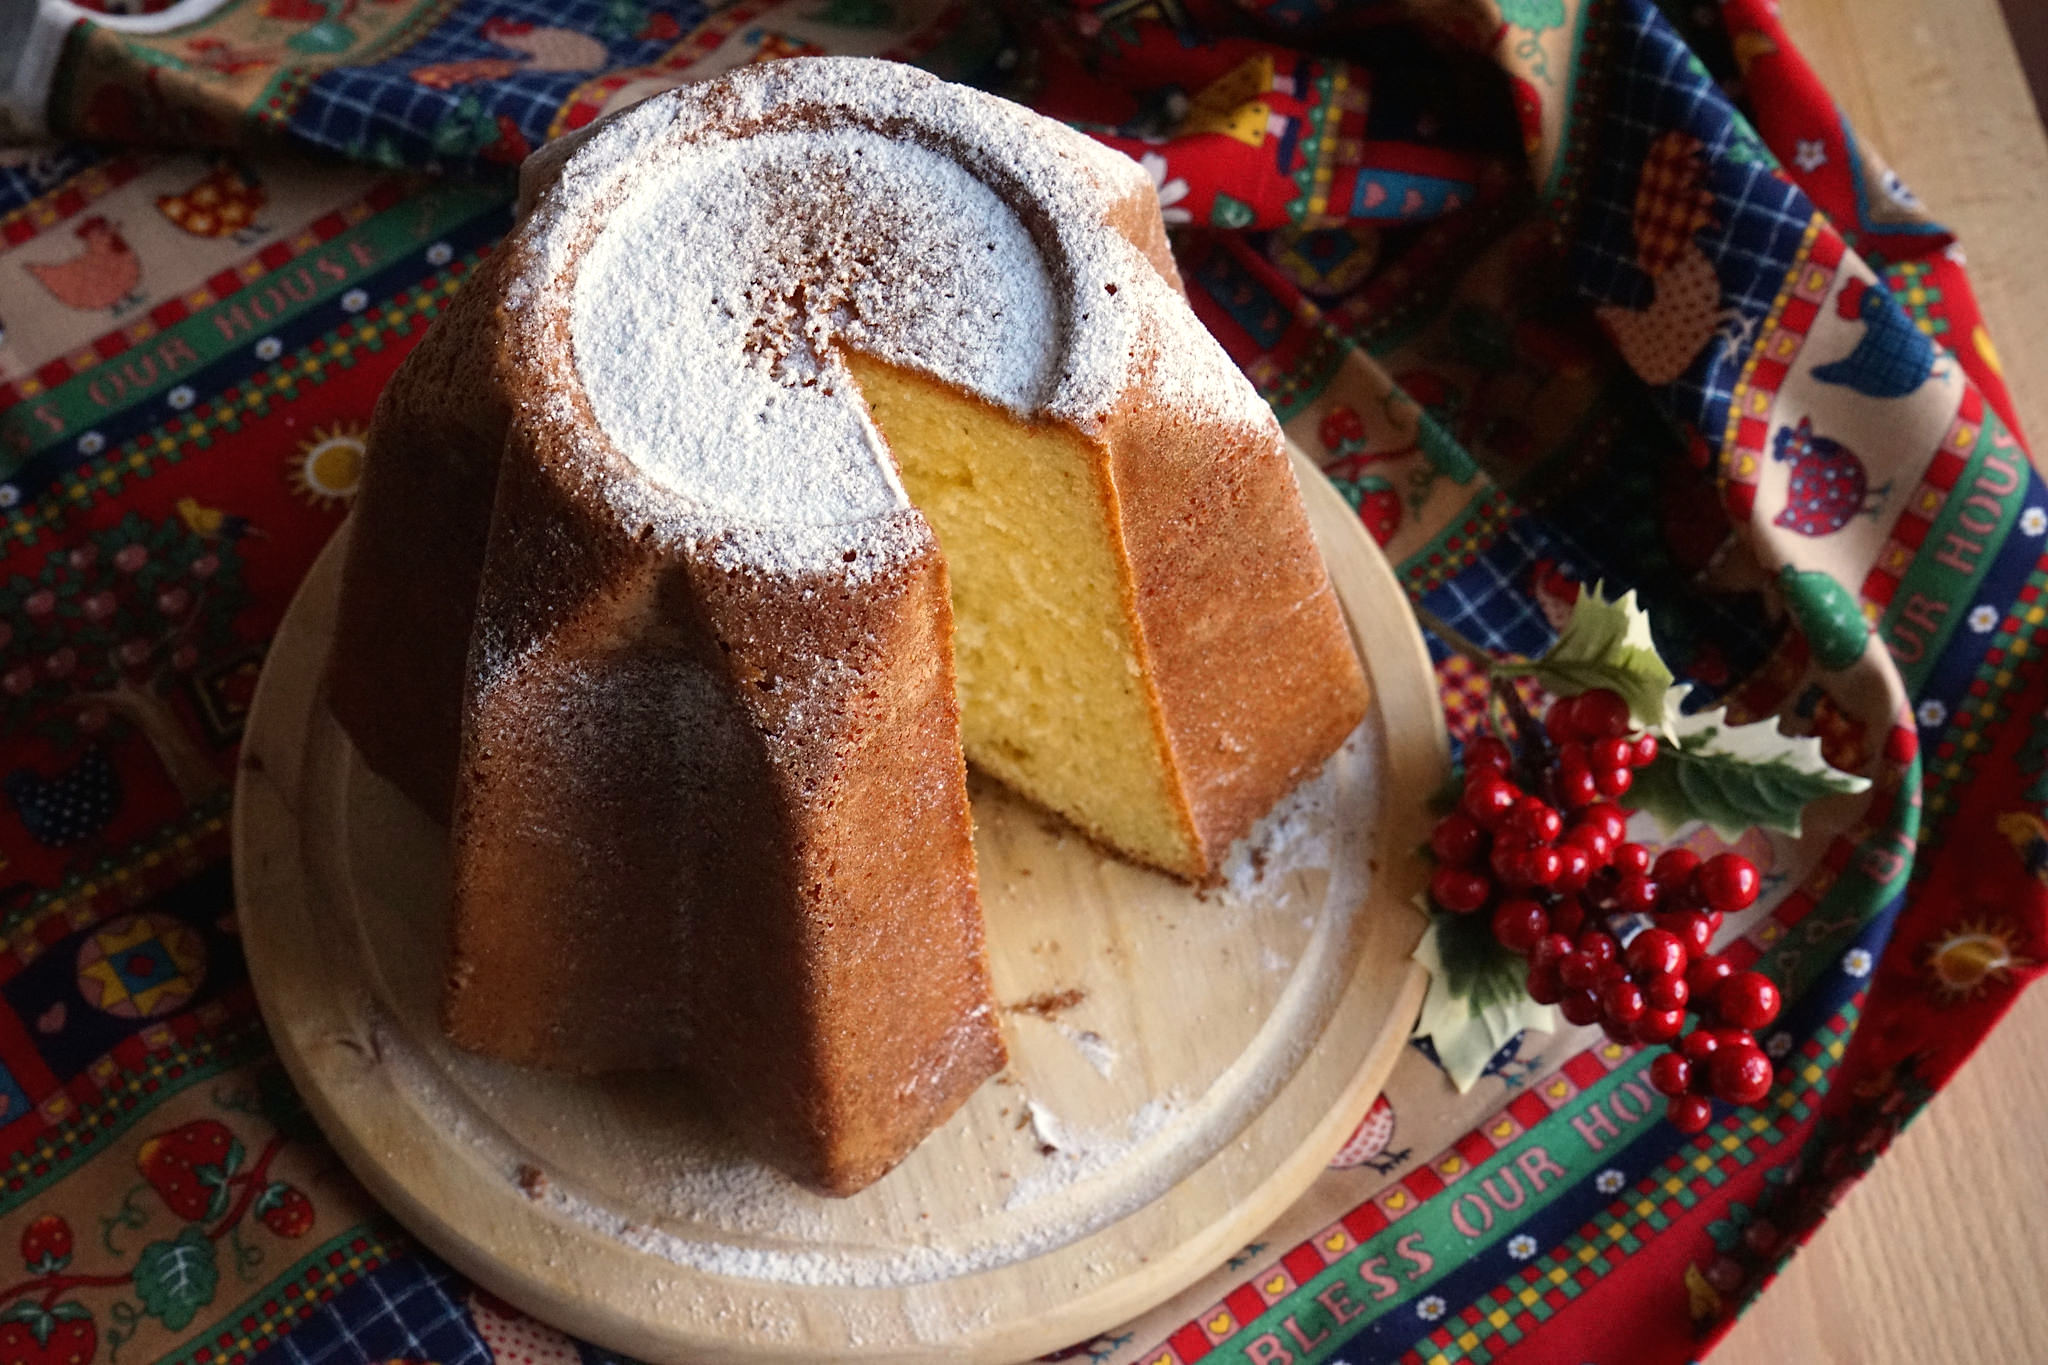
820	429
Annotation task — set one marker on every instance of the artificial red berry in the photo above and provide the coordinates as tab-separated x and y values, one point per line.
1520	924
1689	1114
1660	1026
1487	754
1488	798
1692	928
1618	1031
1561	721
1459	890
1544	987
1574	870
1671	1074
1519	864
1581	1005
1568	915
1608	818
1740	1075
1667	991
1735	1037
1457	840
1643	751
1609	753
1728	882
1536	821
1576	786
1748	999
1634	858
1551	949
1675	866
1601	714
1601	945
1700	1045
1580	972
1623	1000
1613	781
1599	848
1656	952
1636	894
1706	974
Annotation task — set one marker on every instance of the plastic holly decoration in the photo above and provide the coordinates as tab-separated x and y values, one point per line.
1540	897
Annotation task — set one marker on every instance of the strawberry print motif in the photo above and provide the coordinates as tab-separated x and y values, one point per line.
1379	506
1829	487
33	1335
285	1210
46	1244
190	1167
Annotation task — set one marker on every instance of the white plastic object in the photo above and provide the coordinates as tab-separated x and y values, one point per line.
32	34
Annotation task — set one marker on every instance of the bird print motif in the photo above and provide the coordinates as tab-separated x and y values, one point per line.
211	523
1672	203
1828	488
222	203
104	276
1892	358
74	805
2029	838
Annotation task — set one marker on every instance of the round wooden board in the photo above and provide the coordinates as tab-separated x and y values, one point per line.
1188	1063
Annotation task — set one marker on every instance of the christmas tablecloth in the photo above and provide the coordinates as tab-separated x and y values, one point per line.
1557	290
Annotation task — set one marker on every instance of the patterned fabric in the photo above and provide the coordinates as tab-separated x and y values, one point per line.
1557	290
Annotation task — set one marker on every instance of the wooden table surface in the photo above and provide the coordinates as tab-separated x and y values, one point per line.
1938	1256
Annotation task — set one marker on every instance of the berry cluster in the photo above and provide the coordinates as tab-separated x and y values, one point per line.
1615	933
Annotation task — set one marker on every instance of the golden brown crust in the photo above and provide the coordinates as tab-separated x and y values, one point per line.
1253	678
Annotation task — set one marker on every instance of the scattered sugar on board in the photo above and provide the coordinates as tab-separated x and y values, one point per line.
735	1218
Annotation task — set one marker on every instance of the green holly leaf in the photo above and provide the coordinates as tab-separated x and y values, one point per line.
1476	1000
176	1279
1735	776
1606	643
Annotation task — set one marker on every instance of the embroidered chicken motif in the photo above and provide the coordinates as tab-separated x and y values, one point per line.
1892	358
1672	203
103	276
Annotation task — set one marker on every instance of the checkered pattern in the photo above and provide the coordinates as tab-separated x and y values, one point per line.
1759	220
380	113
401	1311
1671	203
42	170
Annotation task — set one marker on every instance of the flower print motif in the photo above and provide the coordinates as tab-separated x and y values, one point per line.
1609	1181
92	443
1431	1308
1856	962
9	495
181	397
1812	154
1171	192
355	301
270	348
1521	1246
440	253
1931	713
1983	617
2034	521
1778	1044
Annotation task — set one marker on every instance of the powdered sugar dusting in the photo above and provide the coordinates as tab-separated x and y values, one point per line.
715	248
708	314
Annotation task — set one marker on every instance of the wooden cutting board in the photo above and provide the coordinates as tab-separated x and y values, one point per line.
1183	1063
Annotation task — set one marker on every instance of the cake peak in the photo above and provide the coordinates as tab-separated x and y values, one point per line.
711	253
